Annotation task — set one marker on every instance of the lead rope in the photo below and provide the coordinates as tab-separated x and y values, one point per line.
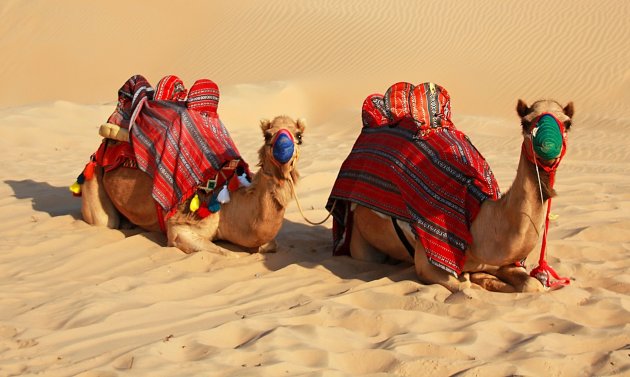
543	270
297	200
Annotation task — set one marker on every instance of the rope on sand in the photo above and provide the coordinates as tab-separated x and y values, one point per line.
297	200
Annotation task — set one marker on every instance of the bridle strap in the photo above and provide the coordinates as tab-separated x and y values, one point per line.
544	272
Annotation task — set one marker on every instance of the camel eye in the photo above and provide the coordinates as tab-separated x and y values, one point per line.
298	136
268	137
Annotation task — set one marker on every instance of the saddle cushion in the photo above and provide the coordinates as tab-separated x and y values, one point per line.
373	111
133	91
170	88
203	97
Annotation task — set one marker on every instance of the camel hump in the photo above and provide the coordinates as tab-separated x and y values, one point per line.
203	96
170	88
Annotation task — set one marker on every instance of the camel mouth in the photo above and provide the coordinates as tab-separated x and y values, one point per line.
283	147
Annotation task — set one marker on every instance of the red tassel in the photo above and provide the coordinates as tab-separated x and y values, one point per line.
203	212
88	172
234	184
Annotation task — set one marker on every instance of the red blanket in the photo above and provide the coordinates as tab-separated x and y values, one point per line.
179	149
416	167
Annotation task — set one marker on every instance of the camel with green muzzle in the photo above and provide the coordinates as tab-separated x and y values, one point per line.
505	230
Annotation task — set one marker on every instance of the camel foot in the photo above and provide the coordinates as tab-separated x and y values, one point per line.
533	285
515	284
269	247
189	242
491	283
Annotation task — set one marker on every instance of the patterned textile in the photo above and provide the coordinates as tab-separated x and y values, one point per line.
170	88
112	154
203	96
417	168
373	112
134	90
180	149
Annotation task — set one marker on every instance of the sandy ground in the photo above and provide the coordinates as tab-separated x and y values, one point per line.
81	300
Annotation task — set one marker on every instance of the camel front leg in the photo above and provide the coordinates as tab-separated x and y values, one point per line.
519	279
361	249
507	279
430	274
269	247
96	207
185	238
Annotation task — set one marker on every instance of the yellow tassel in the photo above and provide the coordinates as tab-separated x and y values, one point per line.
194	203
75	188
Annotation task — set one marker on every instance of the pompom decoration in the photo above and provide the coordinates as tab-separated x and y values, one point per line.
214	205
75	188
283	147
203	212
547	138
224	195
243	180
194	203
233	183
88	172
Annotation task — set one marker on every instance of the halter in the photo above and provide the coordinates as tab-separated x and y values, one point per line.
544	271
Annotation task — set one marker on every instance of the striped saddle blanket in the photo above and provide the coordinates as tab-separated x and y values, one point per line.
179	141
180	149
411	163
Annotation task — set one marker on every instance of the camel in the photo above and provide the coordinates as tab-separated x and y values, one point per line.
251	219
504	231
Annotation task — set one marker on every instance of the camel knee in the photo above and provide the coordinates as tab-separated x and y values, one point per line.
430	274
362	250
185	239
519	278
96	207
269	247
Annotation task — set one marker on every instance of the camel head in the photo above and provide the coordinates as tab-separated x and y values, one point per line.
545	125
279	154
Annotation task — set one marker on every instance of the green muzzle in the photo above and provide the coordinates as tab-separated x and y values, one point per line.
547	140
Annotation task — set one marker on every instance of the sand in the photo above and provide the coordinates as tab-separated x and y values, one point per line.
87	301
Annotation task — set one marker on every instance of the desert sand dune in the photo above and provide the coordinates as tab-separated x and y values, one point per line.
87	301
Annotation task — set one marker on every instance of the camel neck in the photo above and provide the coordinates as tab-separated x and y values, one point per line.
272	189
255	214
507	230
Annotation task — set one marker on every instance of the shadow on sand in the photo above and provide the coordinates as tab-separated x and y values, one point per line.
306	245
310	246
56	201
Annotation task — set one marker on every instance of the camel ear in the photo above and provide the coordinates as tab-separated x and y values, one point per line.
569	110
301	124
265	124
522	109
